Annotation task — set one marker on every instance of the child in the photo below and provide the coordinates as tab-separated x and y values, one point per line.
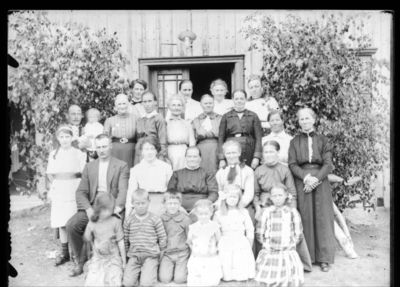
173	263
278	263
204	267
105	233
92	129
64	169
145	238
235	246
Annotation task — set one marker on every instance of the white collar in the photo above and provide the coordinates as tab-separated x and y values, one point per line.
152	114
280	134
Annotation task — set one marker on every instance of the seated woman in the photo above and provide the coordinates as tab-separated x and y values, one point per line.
244	127
219	89
151	174
151	124
236	173
279	135
179	133
273	172
310	160
122	129
193	181
206	128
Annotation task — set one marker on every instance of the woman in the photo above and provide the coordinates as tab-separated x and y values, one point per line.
192	107
278	134
150	174
243	126
64	169
262	106
236	173
271	173
193	181
122	129
310	160
219	89
151	124
179	133
206	128
138	88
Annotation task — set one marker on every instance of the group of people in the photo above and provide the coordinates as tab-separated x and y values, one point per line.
216	191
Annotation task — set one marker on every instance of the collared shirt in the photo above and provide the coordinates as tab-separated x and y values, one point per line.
192	110
223	107
144	235
262	108
177	227
148	176
198	126
284	141
102	184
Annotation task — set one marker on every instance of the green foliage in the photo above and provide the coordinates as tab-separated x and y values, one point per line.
318	64
59	65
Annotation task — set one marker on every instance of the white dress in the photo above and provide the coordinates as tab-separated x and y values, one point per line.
62	191
235	251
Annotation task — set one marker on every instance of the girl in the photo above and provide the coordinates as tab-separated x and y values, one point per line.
237	237
280	229
204	267
64	169
105	233
219	89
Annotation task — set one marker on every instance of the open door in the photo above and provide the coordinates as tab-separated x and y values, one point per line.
165	83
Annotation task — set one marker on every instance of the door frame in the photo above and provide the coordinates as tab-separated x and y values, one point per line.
145	64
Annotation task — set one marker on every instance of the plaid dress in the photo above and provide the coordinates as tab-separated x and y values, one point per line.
278	263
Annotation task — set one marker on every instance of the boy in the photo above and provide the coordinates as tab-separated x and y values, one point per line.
173	263
145	238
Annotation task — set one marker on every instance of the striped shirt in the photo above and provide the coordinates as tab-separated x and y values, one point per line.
121	126
144	235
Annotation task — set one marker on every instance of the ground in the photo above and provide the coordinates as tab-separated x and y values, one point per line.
33	239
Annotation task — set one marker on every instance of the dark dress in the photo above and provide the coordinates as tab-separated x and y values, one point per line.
316	207
194	185
154	126
207	141
247	131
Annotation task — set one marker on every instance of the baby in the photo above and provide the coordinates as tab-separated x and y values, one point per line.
92	129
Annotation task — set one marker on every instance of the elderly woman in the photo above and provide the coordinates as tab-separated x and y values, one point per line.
262	106
179	133
151	124
219	89
274	172
150	174
122	129
243	126
279	135
193	181
138	87
236	173
310	160
206	127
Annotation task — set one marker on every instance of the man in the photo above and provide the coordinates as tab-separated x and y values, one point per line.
105	174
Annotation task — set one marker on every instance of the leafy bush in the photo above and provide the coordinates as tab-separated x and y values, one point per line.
59	65
318	64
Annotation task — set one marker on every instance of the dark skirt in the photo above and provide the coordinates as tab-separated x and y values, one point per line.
248	145
317	216
124	151
209	159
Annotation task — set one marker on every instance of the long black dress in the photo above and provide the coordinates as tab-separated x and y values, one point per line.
316	207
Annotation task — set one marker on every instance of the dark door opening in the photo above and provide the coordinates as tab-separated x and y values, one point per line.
203	74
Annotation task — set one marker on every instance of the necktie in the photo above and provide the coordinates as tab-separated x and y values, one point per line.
231	174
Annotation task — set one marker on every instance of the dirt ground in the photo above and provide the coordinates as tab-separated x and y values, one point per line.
32	237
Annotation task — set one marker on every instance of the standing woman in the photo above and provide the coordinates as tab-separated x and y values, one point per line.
243	126
138	88
151	124
219	89
206	127
310	160
262	106
64	169
122	129
179	133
